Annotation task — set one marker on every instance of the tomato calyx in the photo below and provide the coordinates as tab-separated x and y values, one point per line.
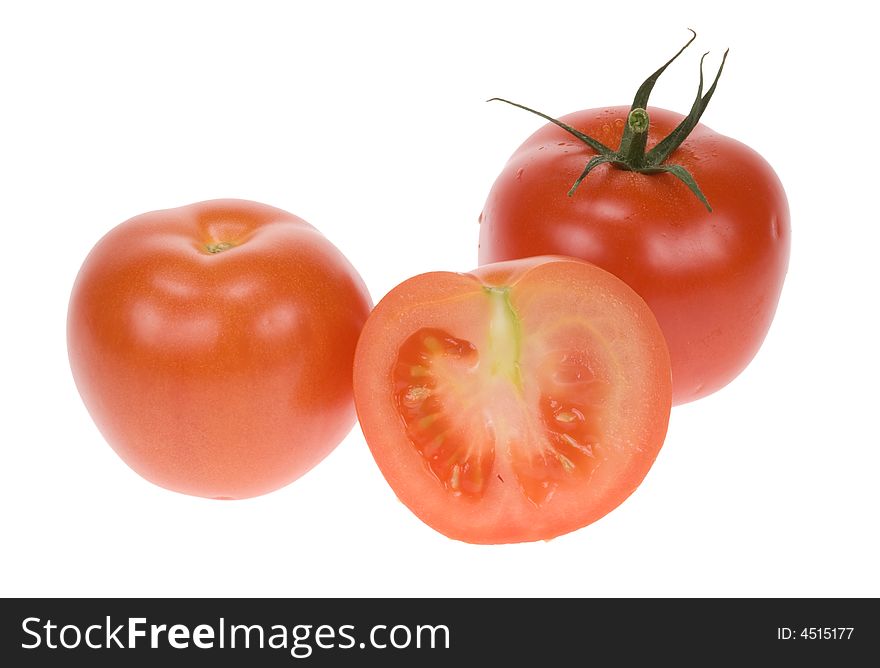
218	247
631	154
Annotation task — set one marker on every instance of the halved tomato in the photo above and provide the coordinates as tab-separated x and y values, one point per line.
515	403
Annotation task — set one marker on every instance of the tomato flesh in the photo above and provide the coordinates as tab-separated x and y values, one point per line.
432	368
516	406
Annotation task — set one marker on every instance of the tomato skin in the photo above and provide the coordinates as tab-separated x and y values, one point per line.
223	374
713	279
547	292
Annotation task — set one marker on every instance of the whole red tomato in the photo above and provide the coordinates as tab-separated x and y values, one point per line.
213	345
712	277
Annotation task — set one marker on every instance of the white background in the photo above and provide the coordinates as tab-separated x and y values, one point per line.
369	120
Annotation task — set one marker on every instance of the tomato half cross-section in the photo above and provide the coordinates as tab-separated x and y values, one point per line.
212	344
515	403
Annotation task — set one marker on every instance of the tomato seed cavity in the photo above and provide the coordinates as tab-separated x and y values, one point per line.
449	406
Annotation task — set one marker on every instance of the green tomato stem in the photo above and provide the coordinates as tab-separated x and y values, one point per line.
632	146
631	154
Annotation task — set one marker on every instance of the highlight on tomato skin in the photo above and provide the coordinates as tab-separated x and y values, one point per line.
515	403
212	345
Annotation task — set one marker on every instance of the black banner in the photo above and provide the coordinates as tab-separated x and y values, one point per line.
406	632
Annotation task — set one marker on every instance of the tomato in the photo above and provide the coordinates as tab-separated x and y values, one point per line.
712	278
212	344
514	403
